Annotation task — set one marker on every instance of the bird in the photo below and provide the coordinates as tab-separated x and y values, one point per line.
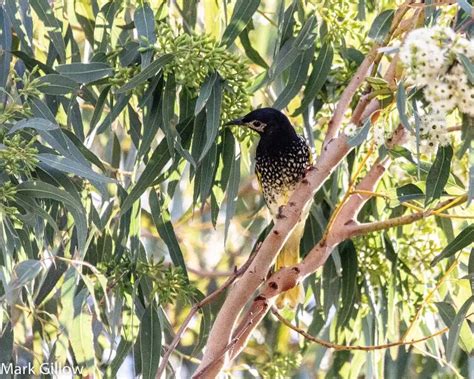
281	160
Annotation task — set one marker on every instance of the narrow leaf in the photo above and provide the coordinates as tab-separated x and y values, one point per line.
68	165
381	25
54	84
439	173
5	48
205	92
243	12
318	76
162	220
85	72
145	24
151	70
213	116
462	240
468	67
361	134
150	342
401	106
455	329
157	162
52	26
297	75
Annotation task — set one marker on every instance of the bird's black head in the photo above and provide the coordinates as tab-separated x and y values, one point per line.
266	122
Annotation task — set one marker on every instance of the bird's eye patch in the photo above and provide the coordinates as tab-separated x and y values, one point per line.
256	123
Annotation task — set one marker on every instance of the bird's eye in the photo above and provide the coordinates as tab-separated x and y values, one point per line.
256	123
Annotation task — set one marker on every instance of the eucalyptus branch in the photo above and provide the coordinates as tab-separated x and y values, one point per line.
196	307
337	347
362	229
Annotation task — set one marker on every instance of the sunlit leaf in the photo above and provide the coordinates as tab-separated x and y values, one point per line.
318	76
150	342
52	26
381	25
455	329
213	116
85	72
162	220
151	70
243	12
439	173
70	166
462	240
145	24
54	84
297	74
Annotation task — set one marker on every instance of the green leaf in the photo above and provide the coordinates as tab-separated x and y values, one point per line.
470	194
361	134
145	24
25	272
455	329
150	343
401	106
232	189
470	269
52	26
381	25
81	336
462	240
251	53
68	165
465	6
288	53
409	192
162	220
99	108
205	92
5	48
17	18
34	123
439	173
243	12
297	75
151	70
468	67
85	72
286	22
43	190
349	281
213	116
6	344
318	76
54	84
155	165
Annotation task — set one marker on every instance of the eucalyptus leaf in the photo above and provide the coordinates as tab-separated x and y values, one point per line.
381	25
151	70
243	12
439	173
54	84
150	342
462	240
85	72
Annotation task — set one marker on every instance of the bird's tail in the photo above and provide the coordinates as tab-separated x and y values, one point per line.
289	256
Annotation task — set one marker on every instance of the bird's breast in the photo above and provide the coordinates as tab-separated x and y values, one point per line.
280	172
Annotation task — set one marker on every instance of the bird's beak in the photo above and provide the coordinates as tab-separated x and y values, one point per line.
237	121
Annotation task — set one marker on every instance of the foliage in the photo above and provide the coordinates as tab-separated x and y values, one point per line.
124	199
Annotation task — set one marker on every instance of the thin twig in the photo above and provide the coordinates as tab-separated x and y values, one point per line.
350	347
